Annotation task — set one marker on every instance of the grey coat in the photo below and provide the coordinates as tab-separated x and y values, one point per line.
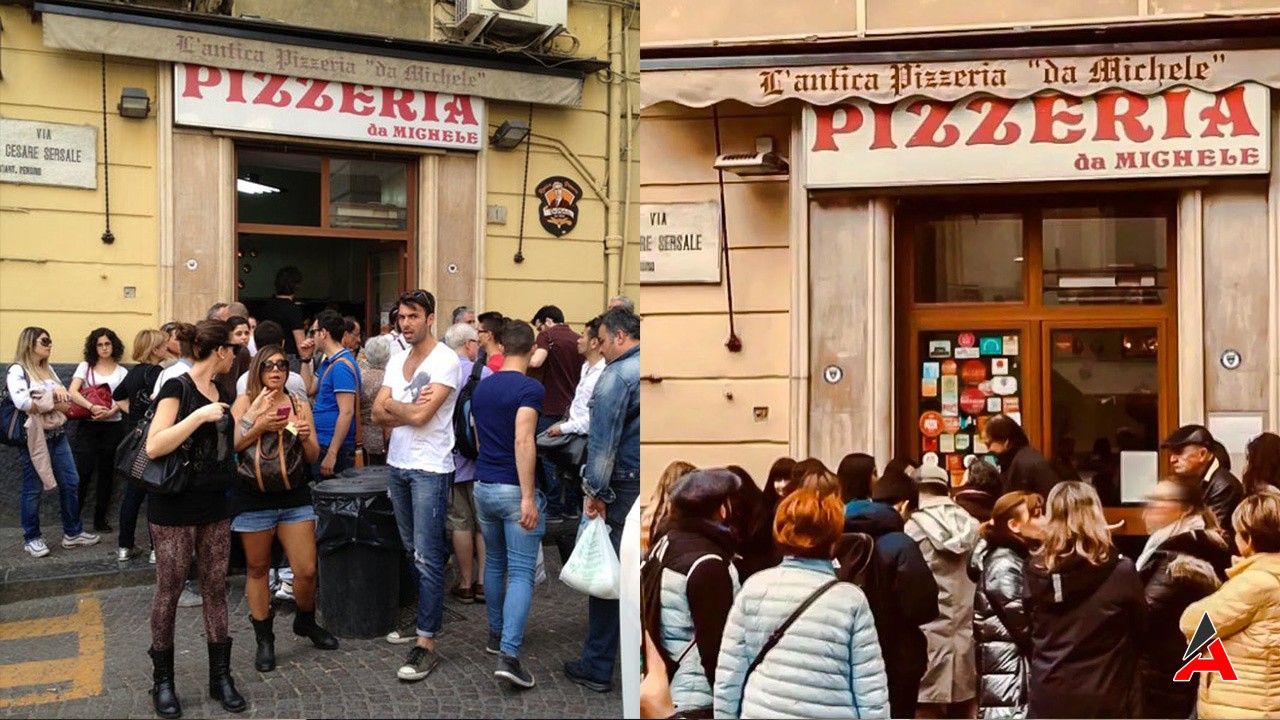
946	534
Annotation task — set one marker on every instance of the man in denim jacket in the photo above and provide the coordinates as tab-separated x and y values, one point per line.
611	480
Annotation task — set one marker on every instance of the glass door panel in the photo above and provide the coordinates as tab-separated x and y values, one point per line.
386	282
963	378
1104	393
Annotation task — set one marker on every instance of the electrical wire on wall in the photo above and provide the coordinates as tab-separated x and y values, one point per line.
107	237
733	343
524	188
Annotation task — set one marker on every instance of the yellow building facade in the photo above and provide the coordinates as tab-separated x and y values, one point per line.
401	213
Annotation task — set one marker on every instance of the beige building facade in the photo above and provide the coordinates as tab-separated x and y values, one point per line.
1067	212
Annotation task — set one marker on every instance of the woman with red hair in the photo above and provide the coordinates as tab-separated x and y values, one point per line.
799	643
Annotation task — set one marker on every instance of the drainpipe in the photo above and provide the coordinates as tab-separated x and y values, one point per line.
613	213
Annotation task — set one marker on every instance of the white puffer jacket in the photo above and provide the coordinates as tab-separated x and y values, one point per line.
828	663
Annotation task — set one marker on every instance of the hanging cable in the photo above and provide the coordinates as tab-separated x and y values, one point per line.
733	343
107	237
524	187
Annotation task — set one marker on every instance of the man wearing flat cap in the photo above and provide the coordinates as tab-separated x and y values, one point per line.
1195	455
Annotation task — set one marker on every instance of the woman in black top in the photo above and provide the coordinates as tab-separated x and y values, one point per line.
97	435
194	521
263	511
134	394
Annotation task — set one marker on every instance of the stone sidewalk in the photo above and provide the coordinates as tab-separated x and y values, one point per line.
86	656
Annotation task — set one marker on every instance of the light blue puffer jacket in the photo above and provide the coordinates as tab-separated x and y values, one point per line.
689	688
828	663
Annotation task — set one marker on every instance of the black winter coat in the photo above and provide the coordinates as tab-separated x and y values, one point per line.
1026	469
1001	629
1222	493
1087	623
904	598
1188	567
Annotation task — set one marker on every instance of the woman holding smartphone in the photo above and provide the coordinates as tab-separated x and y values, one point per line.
272	500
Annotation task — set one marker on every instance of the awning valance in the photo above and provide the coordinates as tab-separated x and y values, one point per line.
759	83
432	67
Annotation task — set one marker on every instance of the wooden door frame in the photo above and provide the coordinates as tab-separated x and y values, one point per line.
1031	316
407	237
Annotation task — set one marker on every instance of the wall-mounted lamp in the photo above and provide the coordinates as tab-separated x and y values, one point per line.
134	103
509	134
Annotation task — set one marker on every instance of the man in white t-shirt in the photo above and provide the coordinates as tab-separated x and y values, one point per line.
416	400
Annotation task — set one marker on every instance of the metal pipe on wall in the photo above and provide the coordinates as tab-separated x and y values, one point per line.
613	213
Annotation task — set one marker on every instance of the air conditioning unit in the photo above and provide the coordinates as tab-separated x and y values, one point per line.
512	17
764	161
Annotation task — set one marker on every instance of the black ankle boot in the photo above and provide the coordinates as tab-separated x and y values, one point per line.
221	686
162	693
265	661
304	624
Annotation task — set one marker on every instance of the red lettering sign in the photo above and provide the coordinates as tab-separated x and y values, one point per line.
1050	136
305	106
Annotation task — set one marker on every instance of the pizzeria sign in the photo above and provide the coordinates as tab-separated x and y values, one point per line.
313	107
1045	137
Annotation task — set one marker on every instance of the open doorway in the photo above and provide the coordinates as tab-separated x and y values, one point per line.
345	222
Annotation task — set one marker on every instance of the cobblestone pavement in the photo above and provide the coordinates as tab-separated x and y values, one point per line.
85	656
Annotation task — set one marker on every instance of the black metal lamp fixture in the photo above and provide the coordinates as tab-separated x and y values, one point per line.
509	134
134	103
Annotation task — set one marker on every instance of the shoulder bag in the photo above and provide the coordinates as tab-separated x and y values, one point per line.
168	475
95	393
13	422
359	454
778	634
275	463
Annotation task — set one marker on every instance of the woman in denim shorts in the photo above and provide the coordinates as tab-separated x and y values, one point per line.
261	513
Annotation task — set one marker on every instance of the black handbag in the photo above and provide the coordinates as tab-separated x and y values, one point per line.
273	464
168	475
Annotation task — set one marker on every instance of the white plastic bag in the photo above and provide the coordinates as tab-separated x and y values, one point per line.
540	572
593	568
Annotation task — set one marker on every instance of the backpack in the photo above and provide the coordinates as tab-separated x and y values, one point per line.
13	422
856	555
464	432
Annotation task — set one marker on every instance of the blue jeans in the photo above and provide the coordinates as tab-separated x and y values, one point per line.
601	647
346	459
134	496
64	471
548	473
421	502
512	551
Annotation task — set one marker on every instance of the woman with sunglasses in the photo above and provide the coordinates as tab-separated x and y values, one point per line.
195	521
98	435
265	510
30	374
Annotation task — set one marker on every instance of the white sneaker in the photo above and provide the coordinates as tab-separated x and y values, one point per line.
285	592
84	539
127	554
36	547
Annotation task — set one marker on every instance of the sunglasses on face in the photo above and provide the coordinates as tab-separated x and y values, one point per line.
45	342
274	365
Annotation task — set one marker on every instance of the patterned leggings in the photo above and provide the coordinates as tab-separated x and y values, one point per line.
174	547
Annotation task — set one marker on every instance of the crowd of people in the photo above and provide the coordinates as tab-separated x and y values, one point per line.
863	593
483	458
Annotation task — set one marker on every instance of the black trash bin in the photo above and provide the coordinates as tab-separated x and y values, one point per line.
358	555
